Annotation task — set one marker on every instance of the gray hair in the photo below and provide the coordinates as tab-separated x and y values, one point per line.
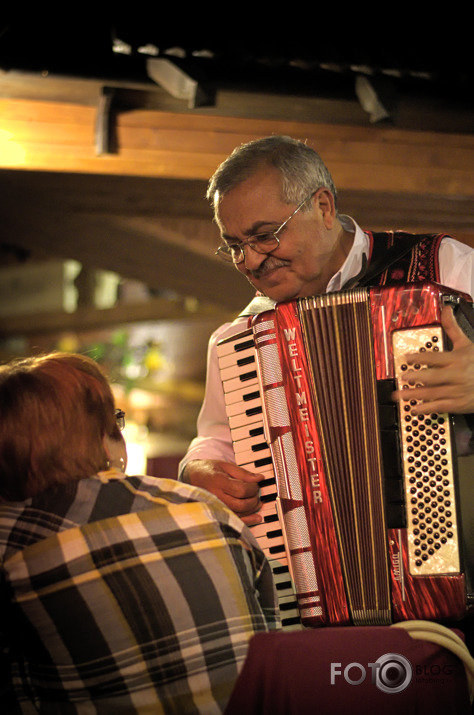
301	168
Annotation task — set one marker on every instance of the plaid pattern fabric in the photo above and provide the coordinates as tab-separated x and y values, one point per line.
127	594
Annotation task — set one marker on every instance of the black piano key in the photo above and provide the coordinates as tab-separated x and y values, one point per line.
283	585
253	411
266	498
246	361
245	345
256	431
251	396
288	606
248	376
280	569
278	549
275	534
259	447
292	621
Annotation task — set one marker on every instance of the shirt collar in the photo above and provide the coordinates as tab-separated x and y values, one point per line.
353	262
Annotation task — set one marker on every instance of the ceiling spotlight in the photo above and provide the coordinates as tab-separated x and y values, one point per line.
120	47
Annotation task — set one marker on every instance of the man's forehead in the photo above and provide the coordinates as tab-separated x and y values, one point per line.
251	207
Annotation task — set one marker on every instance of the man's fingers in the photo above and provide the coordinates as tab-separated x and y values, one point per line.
236	487
452	328
239	473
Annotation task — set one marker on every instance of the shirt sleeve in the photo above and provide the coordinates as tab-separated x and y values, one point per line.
456	265
213	440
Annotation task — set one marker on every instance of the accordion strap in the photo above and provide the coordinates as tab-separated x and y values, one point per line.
445	637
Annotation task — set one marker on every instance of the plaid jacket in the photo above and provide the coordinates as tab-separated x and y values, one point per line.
127	594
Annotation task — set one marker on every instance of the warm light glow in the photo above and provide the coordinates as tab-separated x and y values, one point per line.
143	400
136	438
11	153
136	459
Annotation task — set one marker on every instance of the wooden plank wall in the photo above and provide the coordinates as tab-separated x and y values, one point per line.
61	137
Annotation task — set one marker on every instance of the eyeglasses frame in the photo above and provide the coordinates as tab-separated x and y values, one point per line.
250	241
120	419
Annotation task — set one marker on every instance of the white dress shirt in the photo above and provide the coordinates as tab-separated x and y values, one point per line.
213	440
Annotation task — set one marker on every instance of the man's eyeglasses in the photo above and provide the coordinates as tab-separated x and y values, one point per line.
261	242
120	417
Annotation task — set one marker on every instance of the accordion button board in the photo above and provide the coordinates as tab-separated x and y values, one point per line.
433	543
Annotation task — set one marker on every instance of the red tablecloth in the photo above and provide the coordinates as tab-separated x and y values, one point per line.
329	671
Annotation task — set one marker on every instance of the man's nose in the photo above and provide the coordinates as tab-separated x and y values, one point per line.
252	259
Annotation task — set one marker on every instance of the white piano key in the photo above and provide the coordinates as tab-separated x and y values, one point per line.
249	457
241	433
237	408
240	359
255	451
272	548
249	444
264	529
241	395
267	511
241	381
236	371
244	419
285	587
281	574
266	492
232	344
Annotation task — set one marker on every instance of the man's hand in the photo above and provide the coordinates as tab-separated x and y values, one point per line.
448	380
233	485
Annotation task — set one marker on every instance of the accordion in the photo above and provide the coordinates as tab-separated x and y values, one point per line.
360	498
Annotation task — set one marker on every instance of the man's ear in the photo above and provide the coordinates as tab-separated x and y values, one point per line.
325	203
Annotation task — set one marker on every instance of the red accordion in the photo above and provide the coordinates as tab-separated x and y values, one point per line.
366	493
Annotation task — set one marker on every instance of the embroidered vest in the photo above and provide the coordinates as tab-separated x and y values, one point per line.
399	257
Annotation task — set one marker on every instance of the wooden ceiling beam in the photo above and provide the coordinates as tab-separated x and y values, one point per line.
60	137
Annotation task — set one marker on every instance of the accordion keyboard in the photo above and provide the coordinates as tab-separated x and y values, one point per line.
244	410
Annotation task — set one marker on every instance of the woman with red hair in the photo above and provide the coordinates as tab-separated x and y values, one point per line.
117	592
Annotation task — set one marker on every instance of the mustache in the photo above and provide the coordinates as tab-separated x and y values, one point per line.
269	264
